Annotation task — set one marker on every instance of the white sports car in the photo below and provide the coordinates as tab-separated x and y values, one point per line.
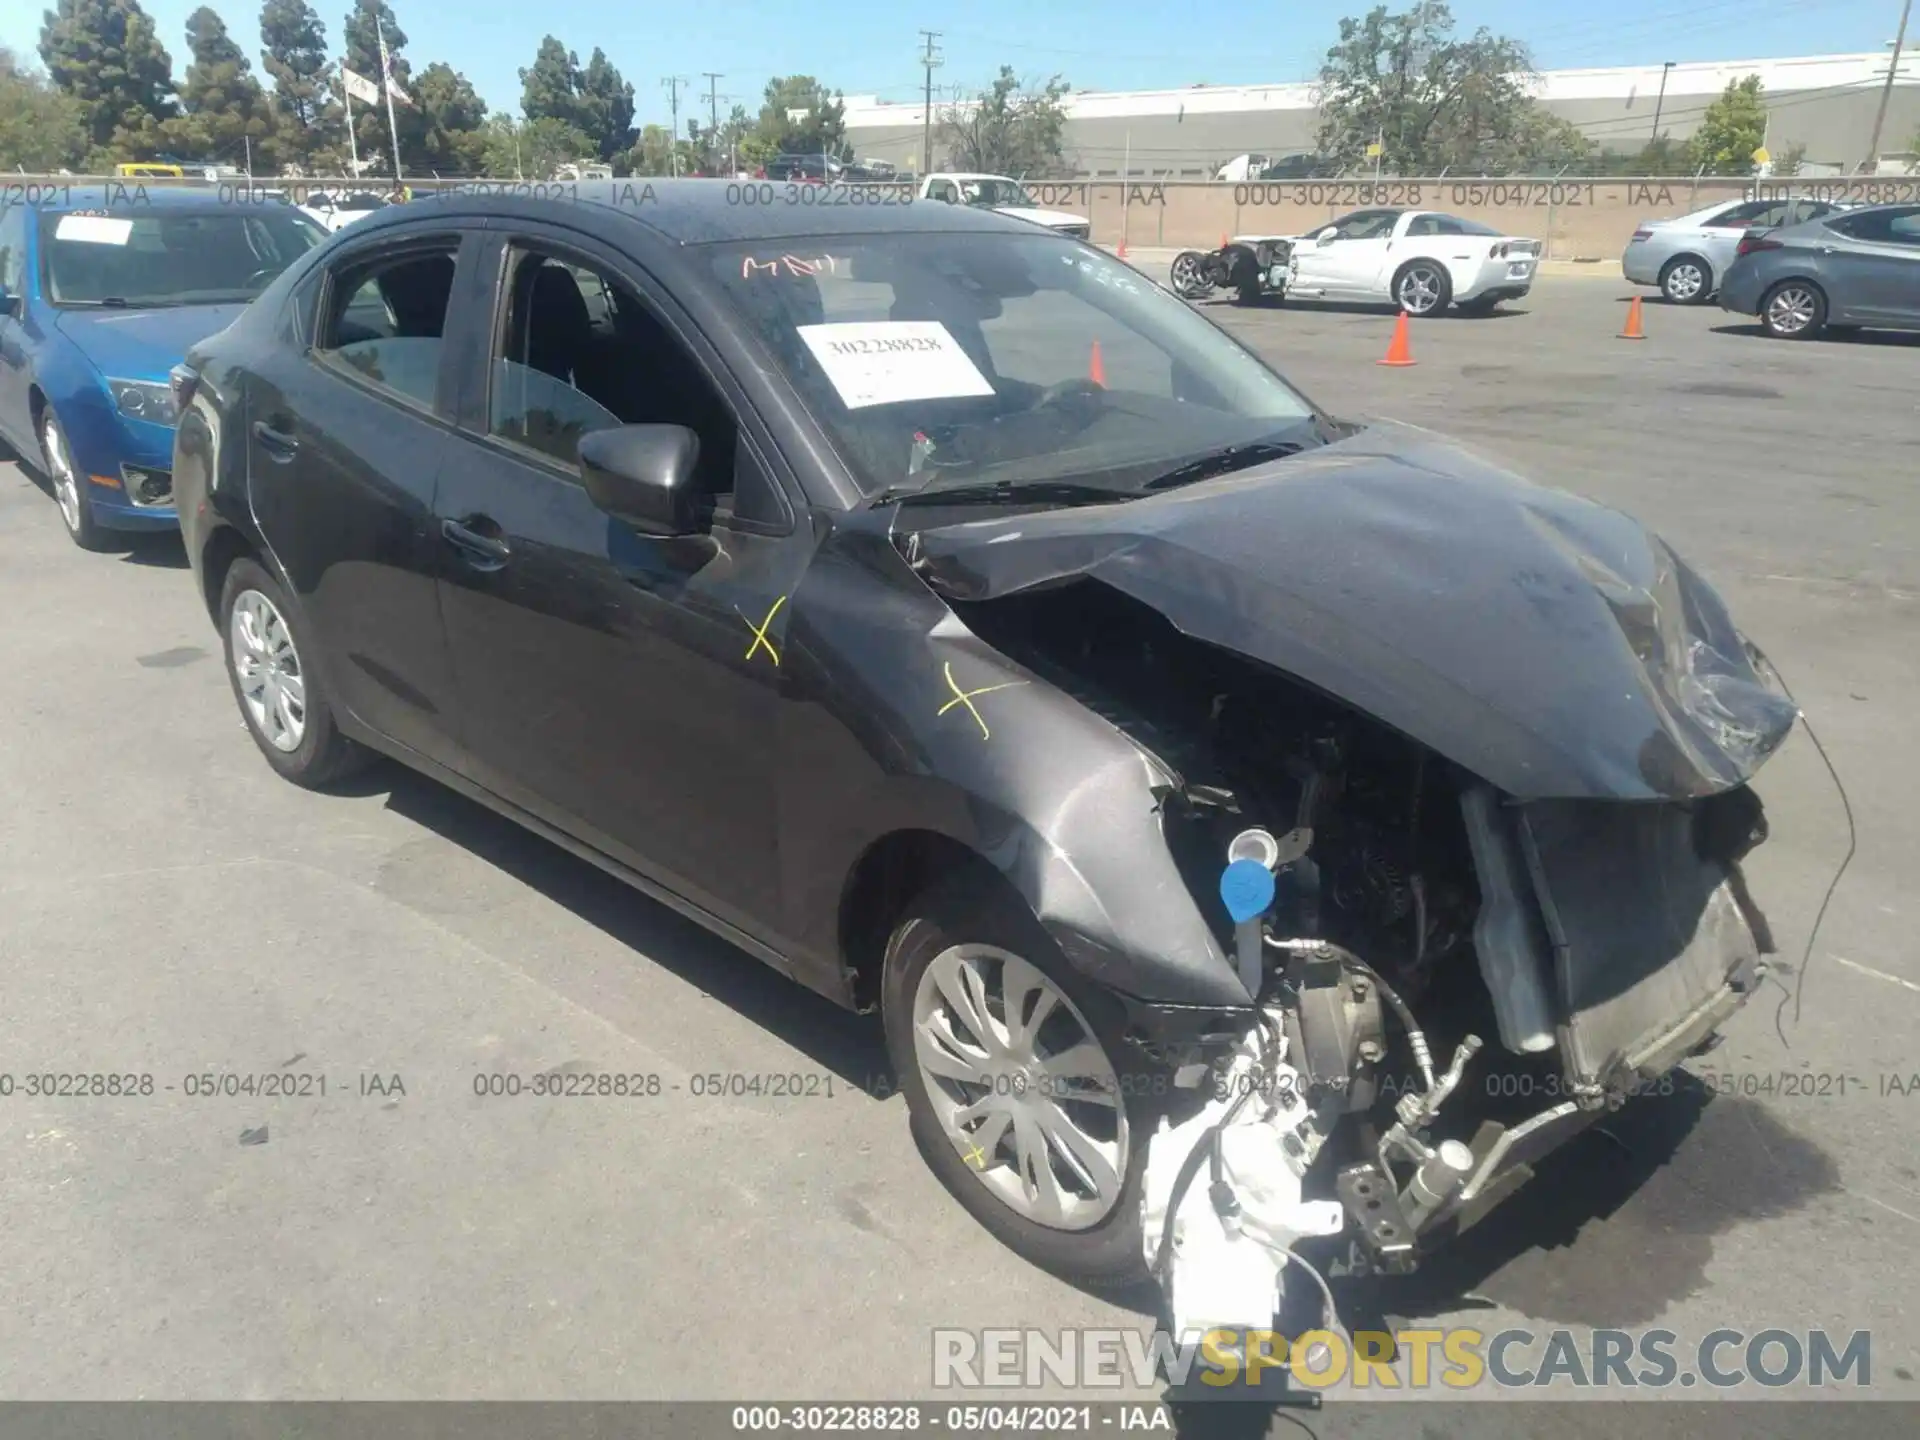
337	211
1419	260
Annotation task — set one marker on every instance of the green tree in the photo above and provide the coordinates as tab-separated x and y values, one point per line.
605	106
41	130
654	151
308	118
1430	100
228	118
447	138
107	56
799	117
1732	129
595	100
550	86
530	149
1008	129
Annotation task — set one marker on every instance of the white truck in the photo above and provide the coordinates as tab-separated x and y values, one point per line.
998	192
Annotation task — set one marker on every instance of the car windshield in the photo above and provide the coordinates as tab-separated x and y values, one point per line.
992	190
940	360
141	257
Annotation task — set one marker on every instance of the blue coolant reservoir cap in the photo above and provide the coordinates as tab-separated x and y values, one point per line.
1247	888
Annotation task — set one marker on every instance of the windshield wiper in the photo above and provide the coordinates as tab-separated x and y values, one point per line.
1065	492
1224	461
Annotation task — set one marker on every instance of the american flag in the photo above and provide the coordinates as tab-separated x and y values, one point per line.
394	87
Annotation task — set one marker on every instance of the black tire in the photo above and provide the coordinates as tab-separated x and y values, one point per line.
1687	280
322	755
57	464
976	908
1439	281
1793	310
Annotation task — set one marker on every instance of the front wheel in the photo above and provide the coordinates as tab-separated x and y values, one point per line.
1793	310
1422	288
1021	1095
76	511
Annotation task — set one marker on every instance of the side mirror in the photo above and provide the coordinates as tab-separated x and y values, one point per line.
1327	237
643	475
9	302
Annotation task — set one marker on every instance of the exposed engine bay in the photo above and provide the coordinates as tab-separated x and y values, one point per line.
1445	983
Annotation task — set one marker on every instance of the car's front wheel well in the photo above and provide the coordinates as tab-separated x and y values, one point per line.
36	406
223	547
889	875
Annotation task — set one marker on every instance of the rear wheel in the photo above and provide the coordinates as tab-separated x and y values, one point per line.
76	511
282	700
1422	288
1686	280
1021	1094
1793	310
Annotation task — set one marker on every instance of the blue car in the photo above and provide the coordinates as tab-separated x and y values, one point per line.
101	293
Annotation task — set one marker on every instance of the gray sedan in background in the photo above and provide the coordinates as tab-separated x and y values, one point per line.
1851	271
1687	255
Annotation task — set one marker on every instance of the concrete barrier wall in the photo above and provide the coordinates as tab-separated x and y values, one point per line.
1579	219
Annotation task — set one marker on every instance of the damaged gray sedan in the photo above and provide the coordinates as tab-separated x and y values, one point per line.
1256	830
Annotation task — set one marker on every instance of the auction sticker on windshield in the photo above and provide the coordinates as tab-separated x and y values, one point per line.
94	229
881	362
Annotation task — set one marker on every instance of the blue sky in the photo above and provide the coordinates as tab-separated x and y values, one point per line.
871	46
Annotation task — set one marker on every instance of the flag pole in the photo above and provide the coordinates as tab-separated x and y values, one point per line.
346	99
386	88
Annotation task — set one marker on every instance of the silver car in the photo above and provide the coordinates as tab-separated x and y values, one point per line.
1846	272
1686	256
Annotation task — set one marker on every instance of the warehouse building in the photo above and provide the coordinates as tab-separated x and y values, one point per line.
1824	102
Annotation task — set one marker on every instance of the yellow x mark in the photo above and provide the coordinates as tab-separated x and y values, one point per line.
966	698
760	631
977	1158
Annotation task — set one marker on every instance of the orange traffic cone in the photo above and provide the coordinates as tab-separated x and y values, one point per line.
1225	240
1400	348
1633	330
1096	367
1122	251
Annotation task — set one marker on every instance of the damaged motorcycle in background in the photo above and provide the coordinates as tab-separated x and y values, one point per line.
1252	268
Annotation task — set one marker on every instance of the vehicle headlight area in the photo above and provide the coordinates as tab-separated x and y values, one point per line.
149	400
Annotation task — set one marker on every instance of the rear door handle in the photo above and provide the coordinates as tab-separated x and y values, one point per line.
277	443
483	552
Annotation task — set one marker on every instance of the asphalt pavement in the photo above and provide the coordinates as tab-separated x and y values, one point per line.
169	908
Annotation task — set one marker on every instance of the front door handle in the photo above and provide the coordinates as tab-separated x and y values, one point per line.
277	443
483	552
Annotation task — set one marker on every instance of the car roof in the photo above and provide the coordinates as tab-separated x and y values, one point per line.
707	212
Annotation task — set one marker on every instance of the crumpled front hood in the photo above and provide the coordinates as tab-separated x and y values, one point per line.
1553	647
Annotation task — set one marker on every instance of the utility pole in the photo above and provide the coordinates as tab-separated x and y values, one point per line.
673	84
1886	91
929	58
1659	104
713	116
